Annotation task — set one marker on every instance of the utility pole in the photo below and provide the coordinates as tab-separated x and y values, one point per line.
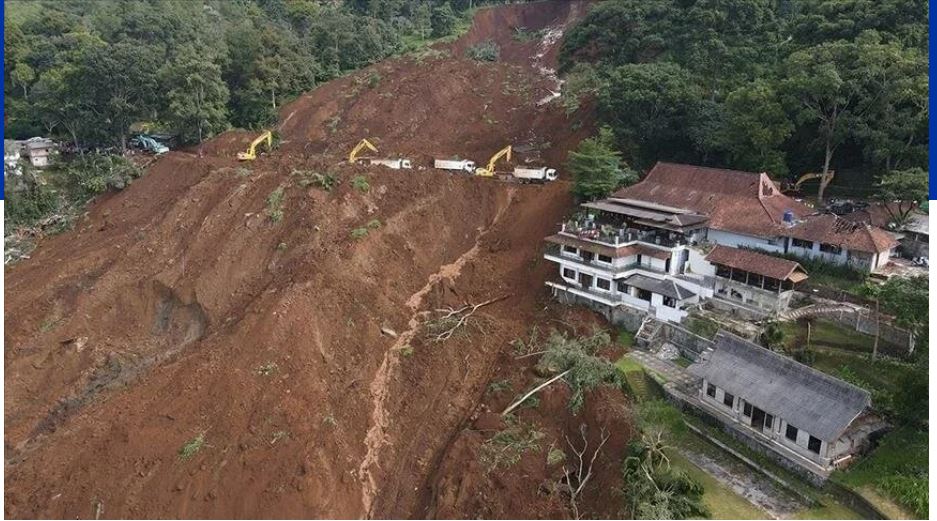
877	330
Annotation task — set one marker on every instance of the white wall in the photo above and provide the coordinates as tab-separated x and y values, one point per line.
739	240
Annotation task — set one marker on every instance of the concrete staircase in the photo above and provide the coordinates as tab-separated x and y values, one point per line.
648	331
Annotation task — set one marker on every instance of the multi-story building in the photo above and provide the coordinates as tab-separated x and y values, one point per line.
651	245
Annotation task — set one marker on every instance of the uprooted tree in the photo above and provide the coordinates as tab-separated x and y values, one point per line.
655	490
575	361
578	472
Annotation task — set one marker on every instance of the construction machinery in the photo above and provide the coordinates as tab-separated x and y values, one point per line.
148	144
463	165
395	164
251	153
364	143
534	175
824	179
489	171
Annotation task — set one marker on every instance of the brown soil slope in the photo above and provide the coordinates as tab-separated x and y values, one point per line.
178	309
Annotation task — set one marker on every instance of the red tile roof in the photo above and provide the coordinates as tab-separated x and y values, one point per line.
830	229
740	202
754	262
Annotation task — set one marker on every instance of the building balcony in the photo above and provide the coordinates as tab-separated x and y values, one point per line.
615	270
616	236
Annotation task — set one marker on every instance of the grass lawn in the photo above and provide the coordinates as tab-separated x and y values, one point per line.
896	469
625	338
722	501
882	373
824	333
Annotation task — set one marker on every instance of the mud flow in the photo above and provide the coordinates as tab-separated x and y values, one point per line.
183	353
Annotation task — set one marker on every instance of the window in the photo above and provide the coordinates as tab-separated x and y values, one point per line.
798	243
830	248
670	302
605	258
572	250
722	271
813	445
603	284
728	400
747	409
791	433
569	274
769	421
711	391
622	287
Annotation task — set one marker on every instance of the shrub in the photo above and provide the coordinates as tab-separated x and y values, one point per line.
191	447
274	208
360	183
374	79
487	50
359	233
96	173
324	181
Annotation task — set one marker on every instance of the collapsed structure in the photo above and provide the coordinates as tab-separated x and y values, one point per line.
650	246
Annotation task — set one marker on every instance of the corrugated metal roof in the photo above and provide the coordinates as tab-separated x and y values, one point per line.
667	287
806	398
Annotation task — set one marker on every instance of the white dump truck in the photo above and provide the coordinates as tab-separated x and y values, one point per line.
396	164
455	164
534	175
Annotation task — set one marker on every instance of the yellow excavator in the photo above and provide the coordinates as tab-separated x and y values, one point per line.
489	171
824	180
251	153
364	143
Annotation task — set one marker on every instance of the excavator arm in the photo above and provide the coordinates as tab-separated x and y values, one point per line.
489	171
824	180
251	153
364	143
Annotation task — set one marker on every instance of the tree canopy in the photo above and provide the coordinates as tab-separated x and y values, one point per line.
85	71
784	87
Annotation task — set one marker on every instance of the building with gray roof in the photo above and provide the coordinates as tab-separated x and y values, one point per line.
799	412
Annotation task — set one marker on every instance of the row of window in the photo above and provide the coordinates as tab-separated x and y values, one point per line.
572	250
808	245
728	399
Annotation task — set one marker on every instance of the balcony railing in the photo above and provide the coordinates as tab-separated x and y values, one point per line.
591	230
557	251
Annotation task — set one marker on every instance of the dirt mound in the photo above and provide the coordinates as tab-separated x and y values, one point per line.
245	339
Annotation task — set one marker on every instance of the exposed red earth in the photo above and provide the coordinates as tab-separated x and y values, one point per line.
179	308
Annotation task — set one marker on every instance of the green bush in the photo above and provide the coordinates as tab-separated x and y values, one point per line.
96	173
487	50
274	208
360	183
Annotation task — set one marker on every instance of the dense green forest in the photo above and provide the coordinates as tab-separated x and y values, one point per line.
783	86
84	71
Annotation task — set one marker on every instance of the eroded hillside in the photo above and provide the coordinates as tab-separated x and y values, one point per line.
276	328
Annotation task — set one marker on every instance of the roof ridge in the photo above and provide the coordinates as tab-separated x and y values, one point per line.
795	363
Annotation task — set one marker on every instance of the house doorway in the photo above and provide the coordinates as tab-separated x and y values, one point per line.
761	420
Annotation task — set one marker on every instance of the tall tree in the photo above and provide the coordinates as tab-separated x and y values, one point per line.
755	129
900	191
832	86
197	97
119	83
597	167
650	108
